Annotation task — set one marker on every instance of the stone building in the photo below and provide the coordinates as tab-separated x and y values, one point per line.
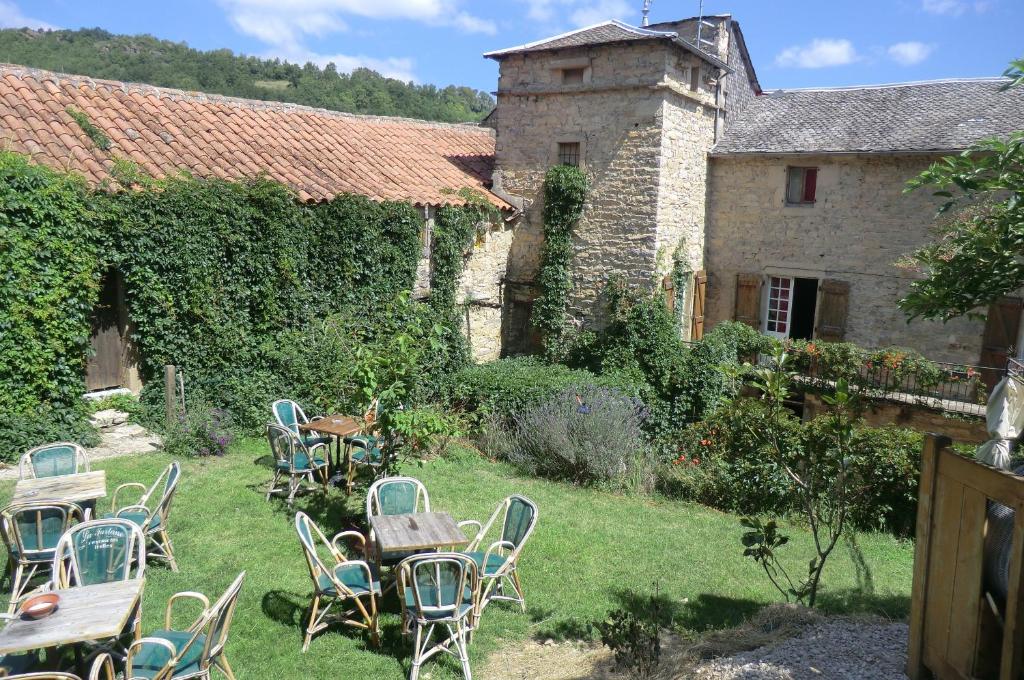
788	204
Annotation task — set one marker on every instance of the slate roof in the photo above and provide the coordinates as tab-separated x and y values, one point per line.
944	115
318	153
609	32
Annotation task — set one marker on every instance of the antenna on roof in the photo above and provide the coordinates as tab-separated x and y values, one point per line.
700	26
646	11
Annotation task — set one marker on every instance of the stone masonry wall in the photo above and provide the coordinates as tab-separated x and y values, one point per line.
618	116
860	225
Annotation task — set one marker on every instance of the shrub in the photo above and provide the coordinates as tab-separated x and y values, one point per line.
19	432
507	387
587	436
202	432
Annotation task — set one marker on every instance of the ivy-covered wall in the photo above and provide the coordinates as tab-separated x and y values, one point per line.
217	274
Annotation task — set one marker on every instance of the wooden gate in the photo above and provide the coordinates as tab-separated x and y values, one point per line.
954	631
105	367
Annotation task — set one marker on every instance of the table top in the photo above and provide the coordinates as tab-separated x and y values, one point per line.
84	613
337	425
420	531
83	486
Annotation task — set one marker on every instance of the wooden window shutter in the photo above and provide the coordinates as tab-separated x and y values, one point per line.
833	307
810	184
748	300
1000	337
700	288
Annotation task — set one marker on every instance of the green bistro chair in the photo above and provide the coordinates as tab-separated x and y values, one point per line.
439	591
151	516
394	496
53	460
194	652
294	460
339	580
31	532
101	551
102	669
499	562
364	450
290	415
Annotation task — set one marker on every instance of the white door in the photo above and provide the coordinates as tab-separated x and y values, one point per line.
779	306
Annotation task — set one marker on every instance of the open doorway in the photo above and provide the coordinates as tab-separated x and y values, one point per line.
791	307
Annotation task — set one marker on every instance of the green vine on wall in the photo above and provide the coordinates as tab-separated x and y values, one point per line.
565	191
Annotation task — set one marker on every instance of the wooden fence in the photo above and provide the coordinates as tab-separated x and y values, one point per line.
956	630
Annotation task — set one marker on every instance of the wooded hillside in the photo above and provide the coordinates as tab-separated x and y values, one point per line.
145	59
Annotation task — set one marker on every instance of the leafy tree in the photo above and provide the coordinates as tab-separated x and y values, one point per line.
978	254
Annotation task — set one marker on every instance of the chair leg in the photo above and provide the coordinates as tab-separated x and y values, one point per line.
225	667
460	645
518	586
294	482
273	484
168	549
312	622
417	652
16	578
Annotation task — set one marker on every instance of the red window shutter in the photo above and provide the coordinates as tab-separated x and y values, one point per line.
810	184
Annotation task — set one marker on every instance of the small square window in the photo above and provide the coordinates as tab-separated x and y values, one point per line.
569	153
801	185
572	76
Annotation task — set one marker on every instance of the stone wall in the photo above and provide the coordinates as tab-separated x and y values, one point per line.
860	225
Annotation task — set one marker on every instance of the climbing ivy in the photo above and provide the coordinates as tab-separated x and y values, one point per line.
565	191
50	247
98	137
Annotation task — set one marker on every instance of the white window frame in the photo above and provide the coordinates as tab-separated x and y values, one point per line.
781	305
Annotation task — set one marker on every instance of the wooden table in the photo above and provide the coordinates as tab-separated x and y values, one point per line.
84	613
419	531
77	488
337	426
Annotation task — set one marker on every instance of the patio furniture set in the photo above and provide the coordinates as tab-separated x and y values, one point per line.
92	602
443	580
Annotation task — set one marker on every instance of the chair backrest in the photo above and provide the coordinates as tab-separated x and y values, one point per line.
313	541
218	622
48	675
52	460
102	668
283	444
520	519
441	583
32	530
99	551
288	414
370	414
170	477
396	496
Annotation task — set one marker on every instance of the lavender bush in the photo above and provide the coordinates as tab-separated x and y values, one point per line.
202	432
588	436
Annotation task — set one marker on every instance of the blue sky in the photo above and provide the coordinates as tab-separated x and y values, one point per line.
794	43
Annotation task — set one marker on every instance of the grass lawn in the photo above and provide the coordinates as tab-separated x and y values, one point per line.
589	550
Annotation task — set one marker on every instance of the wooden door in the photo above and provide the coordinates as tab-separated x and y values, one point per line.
104	367
1001	329
833	308
748	300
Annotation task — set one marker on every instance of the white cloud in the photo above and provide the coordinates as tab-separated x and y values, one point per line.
12	17
285	26
820	53
955	7
909	53
581	12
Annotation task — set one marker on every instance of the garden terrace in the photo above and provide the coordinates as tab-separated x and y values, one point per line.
592	551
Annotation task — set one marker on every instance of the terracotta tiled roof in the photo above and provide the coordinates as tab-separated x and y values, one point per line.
318	153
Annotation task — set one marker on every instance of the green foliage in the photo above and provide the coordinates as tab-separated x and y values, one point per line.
976	257
634	637
145	59
91	131
760	542
454	231
201	432
508	386
50	247
565	191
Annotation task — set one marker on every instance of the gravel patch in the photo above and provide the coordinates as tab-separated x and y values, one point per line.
836	649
